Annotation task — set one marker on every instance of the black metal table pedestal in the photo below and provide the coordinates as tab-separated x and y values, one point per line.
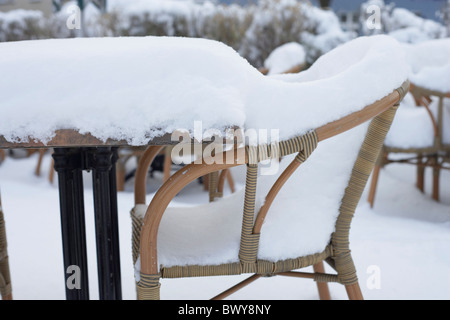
70	163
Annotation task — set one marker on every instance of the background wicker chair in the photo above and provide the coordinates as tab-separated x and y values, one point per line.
5	277
417	136
419	133
250	248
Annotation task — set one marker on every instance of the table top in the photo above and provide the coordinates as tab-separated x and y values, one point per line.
68	138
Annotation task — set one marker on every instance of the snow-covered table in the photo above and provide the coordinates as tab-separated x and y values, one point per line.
63	94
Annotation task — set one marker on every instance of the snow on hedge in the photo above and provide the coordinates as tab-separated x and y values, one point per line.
20	24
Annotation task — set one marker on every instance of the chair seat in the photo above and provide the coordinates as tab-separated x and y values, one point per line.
413	128
299	223
435	78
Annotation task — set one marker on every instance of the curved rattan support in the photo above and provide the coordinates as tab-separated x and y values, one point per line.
141	173
423	97
250	234
362	169
426	104
163	197
142	169
340	255
308	145
5	276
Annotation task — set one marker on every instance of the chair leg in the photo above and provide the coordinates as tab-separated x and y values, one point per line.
120	174
420	173
354	292
206	182
51	175
230	181
436	173
237	287
37	171
5	276
167	163
324	291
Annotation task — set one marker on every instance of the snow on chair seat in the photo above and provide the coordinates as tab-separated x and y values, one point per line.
287	58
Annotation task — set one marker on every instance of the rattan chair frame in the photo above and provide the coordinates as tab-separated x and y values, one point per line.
336	254
434	156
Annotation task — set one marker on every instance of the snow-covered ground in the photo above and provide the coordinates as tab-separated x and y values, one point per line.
401	247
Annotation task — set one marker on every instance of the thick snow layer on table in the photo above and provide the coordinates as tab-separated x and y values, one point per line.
122	88
285	57
138	88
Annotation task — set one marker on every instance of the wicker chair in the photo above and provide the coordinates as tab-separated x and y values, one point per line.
243	234
5	277
418	135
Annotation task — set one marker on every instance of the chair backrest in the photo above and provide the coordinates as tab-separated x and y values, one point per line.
431	98
315	205
361	165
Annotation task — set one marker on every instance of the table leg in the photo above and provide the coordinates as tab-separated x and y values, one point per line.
67	163
103	161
